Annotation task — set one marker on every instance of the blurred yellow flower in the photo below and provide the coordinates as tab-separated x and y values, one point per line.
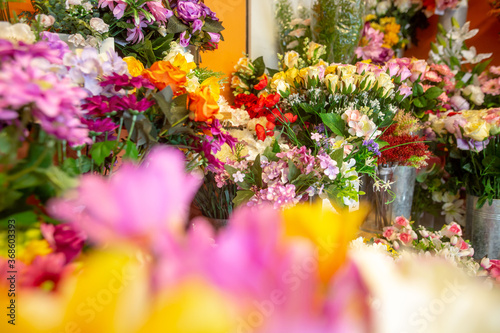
32	249
329	232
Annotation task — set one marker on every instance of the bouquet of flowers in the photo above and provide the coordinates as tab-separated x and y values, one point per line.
473	139
490	86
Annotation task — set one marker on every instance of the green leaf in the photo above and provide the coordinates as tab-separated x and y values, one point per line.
230	170
101	150
293	171
175	26
26	218
334	122
70	167
242	197
256	170
381	143
212	26
125	25
454	62
338	156
433	92
260	66
418	103
58	178
131	151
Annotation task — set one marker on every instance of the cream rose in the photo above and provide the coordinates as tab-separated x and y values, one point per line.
475	94
19	32
46	20
478	130
331	81
291	59
98	25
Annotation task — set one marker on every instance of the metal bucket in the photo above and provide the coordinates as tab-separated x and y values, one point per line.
459	13
483	226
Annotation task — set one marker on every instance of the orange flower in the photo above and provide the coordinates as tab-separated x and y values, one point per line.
203	104
163	74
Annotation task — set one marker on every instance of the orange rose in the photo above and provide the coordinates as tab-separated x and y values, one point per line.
163	74
202	105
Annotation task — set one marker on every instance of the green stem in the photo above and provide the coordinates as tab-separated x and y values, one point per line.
29	169
92	162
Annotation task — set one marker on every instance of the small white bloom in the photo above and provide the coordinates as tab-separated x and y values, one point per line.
87	6
99	25
77	40
383	7
238	177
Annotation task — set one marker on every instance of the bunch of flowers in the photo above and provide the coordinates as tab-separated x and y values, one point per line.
446	243
249	77
402	146
373	45
473	139
79	18
439	6
311	54
490	86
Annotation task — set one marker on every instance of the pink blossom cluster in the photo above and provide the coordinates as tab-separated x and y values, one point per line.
401	235
30	93
490	81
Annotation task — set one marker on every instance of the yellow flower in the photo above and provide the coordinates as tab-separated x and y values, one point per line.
291	59
329	232
370	17
213	84
135	67
332	69
477	130
181	63
387	20
291	75
33	249
331	81
244	66
391	39
392	27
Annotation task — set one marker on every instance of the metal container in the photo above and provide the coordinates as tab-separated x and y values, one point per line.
400	202
459	13
483	226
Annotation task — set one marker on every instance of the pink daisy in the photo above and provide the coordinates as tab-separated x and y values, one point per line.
491	87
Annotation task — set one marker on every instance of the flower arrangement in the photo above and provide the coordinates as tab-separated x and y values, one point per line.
447	243
401	145
373	46
490	86
472	138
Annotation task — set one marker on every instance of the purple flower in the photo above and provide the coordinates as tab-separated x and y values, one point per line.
472	145
54	42
207	12
372	146
138	203
214	37
64	238
184	41
130	102
124	81
188	11
117	6
136	35
197	25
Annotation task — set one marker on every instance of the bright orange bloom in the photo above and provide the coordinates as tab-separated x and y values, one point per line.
203	103
163	74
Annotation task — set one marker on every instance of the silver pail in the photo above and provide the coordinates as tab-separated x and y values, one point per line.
483	227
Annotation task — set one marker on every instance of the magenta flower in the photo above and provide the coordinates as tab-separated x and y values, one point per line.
138	202
124	81
44	269
197	25
64	238
130	102
183	40
99	126
100	105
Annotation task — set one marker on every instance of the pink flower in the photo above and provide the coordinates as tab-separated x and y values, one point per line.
495	70
442	69
351	115
390	233
453	229
117	6
43	269
406	238
405	90
137	202
136	35
401	221
159	12
462	245
418	69
491	87
432	76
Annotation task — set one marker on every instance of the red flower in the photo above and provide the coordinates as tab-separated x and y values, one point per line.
262	84
262	133
403	147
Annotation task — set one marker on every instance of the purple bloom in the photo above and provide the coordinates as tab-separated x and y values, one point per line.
184	41
472	145
64	238
54	42
372	146
197	25
136	35
130	102
405	90
188	11
117	6
125	81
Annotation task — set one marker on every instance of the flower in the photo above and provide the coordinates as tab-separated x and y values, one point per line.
98	25
491	87
138	202
214	37
453	229
164	74
19	32
203	103
159	12
64	238
135	35
188	11
117	6
291	59
46	20
454	211
474	93
135	67
184	39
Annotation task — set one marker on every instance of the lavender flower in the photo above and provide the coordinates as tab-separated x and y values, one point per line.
189	11
372	146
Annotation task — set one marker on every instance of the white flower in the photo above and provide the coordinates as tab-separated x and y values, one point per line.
474	93
383	7
437	196
176	49
19	32
403	5
238	177
77	40
291	59
74	2
162	31
98	25
453	211
472	57
87	6
92	41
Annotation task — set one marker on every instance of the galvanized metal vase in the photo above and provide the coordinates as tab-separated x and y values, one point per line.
459	13
403	184
483	228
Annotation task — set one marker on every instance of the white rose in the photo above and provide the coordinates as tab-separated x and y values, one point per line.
87	6
46	20
77	40
74	2
331	81
348	81
383	7
403	5
92	41
369	80
176	49
282	86
98	25
291	59
475	94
